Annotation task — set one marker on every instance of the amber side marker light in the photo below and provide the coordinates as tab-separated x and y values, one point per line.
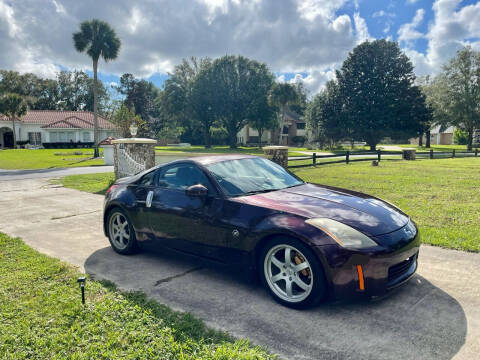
361	282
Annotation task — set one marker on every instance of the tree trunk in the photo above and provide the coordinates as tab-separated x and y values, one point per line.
470	139
207	136
420	140
260	138
14	133
282	124
373	147
427	141
95	100
233	140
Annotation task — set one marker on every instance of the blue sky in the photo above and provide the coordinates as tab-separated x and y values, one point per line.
300	40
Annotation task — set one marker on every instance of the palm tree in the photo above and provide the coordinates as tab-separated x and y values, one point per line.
96	38
281	95
13	106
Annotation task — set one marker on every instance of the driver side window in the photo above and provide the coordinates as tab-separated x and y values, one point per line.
182	176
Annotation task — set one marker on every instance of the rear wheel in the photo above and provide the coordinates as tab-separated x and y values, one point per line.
121	233
292	273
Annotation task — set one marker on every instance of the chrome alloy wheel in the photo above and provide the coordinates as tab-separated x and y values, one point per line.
119	231
288	273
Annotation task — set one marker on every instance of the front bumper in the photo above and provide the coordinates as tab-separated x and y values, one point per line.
383	269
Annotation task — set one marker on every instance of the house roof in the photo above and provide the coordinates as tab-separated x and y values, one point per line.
291	115
442	130
53	119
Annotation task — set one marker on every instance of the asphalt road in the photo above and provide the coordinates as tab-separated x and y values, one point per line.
435	316
7	175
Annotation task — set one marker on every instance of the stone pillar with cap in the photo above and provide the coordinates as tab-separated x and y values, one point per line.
409	154
277	154
133	155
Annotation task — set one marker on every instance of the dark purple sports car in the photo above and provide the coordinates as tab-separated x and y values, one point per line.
307	242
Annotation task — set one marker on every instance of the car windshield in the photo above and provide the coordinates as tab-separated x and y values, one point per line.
251	176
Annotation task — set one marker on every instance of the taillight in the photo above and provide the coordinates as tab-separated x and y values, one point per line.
113	187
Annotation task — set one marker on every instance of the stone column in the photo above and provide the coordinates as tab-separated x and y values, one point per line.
132	156
409	154
277	154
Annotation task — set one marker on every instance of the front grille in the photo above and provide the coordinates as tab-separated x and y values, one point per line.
397	270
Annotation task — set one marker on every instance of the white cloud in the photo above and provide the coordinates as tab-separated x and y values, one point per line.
380	13
290	36
453	27
407	32
314	81
411	1
361	28
302	37
58	7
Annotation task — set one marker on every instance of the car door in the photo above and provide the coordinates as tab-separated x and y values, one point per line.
184	222
143	191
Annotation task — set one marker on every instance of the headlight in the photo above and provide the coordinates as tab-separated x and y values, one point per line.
344	235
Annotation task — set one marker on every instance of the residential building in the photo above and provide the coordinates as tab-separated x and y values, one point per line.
293	127
444	136
53	128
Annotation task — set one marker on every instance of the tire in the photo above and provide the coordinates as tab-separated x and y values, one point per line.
298	283
121	233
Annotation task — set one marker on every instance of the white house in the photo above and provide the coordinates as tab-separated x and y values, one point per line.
52	128
294	126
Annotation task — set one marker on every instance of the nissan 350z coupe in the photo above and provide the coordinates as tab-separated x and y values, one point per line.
307	242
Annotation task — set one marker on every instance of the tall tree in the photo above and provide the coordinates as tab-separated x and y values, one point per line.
97	39
141	95
178	103
325	118
436	94
462	79
76	92
300	106
13	107
281	95
235	91
124	118
376	83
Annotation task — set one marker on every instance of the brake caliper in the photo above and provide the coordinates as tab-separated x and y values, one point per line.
298	260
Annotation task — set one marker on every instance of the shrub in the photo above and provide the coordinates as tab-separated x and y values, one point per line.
298	139
460	137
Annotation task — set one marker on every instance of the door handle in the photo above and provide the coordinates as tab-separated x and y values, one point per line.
148	202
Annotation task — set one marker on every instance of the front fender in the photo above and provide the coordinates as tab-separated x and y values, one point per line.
291	225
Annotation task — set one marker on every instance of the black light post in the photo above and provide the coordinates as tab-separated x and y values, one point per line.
81	281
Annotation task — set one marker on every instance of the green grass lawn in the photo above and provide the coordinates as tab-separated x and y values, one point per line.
93	183
46	158
42	317
432	147
442	196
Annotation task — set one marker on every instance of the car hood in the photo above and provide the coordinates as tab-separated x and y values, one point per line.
365	213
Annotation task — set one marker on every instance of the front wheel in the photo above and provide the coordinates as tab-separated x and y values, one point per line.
121	233
292	273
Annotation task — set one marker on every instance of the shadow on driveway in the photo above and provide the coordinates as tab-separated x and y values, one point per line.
417	321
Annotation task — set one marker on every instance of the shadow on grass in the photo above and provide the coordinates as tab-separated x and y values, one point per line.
185	326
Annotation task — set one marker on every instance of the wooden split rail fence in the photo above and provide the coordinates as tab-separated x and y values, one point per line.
378	155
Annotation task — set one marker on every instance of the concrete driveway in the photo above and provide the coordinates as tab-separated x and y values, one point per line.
435	316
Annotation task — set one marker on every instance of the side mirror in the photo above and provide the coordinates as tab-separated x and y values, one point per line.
197	190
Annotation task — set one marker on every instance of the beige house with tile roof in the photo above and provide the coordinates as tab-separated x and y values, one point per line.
49	128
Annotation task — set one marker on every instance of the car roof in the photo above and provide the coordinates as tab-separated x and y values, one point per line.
211	159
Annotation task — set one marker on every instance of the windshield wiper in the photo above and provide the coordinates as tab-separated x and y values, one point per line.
253	192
